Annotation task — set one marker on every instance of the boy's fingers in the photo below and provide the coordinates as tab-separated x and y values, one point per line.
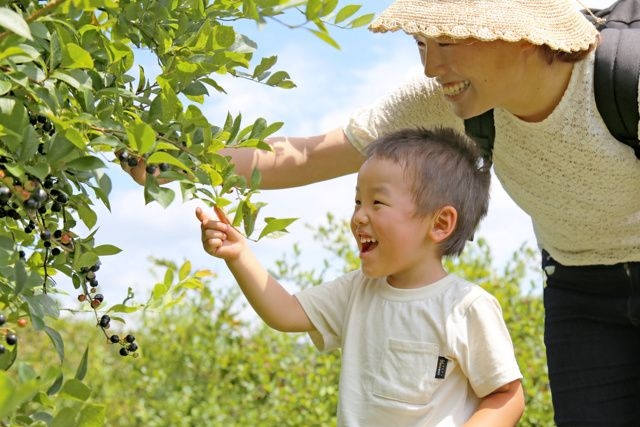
221	215
200	215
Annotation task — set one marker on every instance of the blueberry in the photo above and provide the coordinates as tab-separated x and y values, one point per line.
105	320
11	339
5	194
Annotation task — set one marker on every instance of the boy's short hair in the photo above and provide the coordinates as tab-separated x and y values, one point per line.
444	167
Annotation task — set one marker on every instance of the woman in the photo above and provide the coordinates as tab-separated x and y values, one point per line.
532	63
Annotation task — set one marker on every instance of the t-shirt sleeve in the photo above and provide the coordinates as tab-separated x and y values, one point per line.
487	357
327	305
418	102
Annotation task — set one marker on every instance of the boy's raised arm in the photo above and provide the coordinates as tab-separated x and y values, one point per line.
271	301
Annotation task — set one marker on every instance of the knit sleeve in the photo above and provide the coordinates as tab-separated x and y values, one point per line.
417	103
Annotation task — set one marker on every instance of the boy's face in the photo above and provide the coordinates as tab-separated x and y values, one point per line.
392	240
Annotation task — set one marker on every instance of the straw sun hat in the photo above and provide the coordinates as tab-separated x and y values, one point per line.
555	23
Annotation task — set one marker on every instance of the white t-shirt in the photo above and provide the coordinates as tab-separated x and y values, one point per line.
580	185
416	357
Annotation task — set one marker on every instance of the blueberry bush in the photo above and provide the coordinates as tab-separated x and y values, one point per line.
73	100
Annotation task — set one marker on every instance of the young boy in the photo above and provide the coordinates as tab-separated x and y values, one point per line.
420	347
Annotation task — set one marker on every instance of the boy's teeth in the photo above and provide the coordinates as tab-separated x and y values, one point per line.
453	89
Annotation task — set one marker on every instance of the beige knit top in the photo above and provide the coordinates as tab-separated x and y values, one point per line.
580	185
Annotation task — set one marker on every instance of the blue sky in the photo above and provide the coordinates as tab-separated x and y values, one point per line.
330	84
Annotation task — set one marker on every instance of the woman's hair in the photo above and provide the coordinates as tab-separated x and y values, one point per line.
445	168
552	55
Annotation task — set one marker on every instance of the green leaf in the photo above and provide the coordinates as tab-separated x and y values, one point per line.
106	250
66	417
81	372
275	225
87	215
92	415
20	275
361	21
121	308
76	389
86	163
184	271
86	259
14	22
153	192
163	157
347	12
74	56
141	137
57	341
4	87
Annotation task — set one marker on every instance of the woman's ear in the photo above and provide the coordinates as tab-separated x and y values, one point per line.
444	222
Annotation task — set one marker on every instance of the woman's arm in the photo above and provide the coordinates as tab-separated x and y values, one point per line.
292	161
296	161
503	407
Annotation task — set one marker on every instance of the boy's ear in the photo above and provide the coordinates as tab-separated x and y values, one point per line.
444	222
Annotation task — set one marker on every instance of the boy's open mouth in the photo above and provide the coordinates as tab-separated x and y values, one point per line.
367	245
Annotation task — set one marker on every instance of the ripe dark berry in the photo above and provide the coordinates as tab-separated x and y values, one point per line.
114	339
47	244
39	195
93	282
5	194
56	207
11	339
105	320
2	349
56	251
99	297
123	156
163	167
62	198
132	161
45	235
3	319
151	169
132	347
31	204
129	338
22	254
124	352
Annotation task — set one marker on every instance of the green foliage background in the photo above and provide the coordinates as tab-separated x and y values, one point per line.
206	362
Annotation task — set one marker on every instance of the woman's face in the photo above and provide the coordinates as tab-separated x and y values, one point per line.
476	76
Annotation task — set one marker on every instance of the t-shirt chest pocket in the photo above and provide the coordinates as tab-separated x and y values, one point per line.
410	371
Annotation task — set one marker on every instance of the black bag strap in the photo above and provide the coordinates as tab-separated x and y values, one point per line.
482	130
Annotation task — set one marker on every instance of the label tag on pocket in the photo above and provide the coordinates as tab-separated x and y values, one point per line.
441	369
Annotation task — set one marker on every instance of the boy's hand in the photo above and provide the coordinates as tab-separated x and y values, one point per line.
219	238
